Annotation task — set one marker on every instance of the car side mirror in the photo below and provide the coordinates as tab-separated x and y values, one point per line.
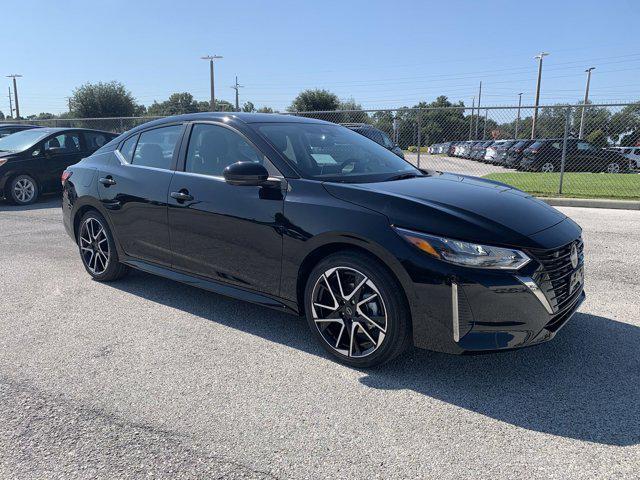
248	174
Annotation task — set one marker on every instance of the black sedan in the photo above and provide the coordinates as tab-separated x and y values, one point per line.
311	218
31	161
7	129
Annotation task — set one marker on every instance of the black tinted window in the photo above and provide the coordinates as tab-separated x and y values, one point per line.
95	140
155	147
213	148
127	148
63	143
536	145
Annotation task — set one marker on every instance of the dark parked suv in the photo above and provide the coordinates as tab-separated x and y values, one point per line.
376	135
31	161
308	217
581	156
514	154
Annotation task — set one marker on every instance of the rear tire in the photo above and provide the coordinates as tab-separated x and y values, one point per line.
615	167
356	310
98	250
23	190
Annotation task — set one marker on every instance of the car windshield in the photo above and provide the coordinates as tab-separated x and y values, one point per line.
19	141
520	144
334	153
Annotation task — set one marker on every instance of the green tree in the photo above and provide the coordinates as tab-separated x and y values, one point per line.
595	118
598	138
1	115
624	125
176	104
42	116
265	110
248	107
94	100
315	100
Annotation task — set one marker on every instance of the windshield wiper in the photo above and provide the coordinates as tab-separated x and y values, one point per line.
403	176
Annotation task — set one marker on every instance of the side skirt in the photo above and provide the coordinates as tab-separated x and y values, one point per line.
213	286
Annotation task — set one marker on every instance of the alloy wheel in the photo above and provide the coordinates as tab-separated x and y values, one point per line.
349	312
94	246
547	167
24	190
613	167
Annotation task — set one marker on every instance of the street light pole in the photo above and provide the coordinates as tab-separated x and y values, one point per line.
586	99
540	56
518	117
473	108
211	58
15	93
478	116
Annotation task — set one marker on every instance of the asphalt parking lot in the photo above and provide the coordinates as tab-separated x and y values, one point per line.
150	377
464	166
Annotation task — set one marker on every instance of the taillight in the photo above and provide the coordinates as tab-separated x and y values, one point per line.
66	175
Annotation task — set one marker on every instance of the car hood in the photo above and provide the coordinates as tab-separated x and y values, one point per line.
456	206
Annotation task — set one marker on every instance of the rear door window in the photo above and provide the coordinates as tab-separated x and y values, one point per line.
128	147
95	140
156	147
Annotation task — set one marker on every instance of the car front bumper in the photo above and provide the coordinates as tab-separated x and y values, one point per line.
463	310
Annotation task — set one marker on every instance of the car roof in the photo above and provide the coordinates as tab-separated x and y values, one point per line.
18	125
48	130
243	117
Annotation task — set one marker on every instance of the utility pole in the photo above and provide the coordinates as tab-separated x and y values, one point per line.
484	128
10	104
586	99
211	58
473	109
518	117
539	57
15	93
236	87
478	116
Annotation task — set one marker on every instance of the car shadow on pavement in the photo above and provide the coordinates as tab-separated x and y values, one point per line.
584	384
53	201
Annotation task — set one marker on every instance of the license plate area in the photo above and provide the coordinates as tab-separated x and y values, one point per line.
576	280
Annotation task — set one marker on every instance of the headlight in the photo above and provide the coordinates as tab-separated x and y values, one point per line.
465	253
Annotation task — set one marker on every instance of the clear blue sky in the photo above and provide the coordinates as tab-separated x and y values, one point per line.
381	53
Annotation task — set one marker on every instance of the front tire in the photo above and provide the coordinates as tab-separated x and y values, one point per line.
23	190
547	167
356	310
98	250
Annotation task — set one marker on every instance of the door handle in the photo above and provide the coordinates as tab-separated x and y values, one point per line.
182	196
107	181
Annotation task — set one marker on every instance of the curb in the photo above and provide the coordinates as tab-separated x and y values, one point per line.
592	203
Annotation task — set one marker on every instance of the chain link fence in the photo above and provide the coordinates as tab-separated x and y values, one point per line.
549	151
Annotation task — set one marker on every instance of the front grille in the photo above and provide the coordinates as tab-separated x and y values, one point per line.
554	274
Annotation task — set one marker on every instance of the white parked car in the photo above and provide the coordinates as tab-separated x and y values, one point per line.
632	153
